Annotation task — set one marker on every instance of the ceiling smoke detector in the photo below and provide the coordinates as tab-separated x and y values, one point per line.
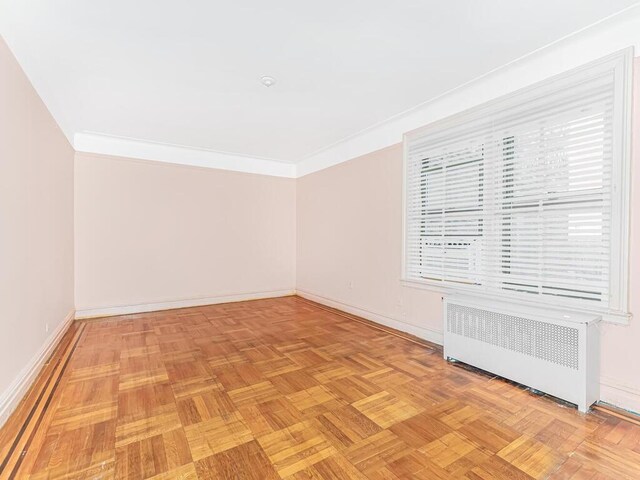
267	81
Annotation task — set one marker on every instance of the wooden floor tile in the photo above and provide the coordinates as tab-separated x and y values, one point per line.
385	409
217	435
295	448
346	425
153	456
335	467
244	462
375	452
531	456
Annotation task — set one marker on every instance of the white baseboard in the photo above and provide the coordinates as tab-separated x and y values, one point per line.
16	391
620	394
420	332
190	302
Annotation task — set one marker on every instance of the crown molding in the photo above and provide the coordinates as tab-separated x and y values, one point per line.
607	36
181	155
603	38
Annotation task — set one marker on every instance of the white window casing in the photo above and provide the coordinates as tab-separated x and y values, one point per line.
527	197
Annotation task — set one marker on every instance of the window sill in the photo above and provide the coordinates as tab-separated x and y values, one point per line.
608	316
431	287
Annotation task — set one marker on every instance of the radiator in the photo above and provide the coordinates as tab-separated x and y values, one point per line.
555	352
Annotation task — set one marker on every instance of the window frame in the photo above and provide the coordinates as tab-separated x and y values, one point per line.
621	65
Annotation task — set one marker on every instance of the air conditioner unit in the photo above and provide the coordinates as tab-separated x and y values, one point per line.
554	351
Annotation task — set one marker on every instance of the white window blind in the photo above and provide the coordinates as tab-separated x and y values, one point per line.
526	196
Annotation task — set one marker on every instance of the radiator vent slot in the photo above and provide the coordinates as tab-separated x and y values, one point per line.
547	341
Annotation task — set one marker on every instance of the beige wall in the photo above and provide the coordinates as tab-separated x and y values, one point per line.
36	225
349	233
149	233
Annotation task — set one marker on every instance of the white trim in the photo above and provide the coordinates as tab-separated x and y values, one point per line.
430	287
621	63
619	394
180	154
608	316
420	332
622	183
12	396
170	305
605	37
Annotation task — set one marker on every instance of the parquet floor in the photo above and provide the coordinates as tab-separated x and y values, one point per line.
283	388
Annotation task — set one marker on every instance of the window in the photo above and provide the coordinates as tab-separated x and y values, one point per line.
527	196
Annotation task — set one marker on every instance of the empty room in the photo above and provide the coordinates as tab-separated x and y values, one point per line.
355	239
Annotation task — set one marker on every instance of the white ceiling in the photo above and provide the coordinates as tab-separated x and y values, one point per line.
187	73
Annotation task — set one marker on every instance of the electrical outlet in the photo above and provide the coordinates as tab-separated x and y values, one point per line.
46	327
350	283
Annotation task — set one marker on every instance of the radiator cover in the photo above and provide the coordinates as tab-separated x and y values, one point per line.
554	351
